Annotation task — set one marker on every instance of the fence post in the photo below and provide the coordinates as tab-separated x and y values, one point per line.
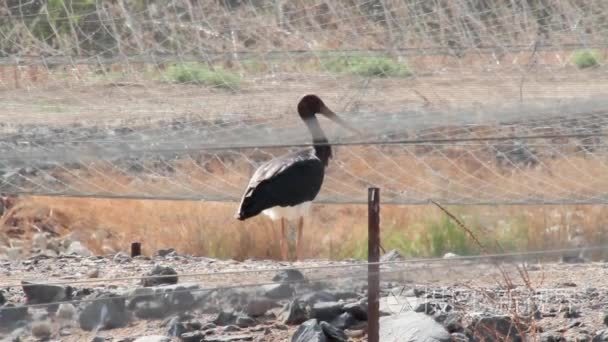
373	268
135	249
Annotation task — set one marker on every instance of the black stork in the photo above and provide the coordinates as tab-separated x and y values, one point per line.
284	187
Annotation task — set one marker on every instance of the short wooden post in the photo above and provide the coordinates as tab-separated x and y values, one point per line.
135	249
373	268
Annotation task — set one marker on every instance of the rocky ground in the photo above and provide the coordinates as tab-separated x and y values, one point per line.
68	294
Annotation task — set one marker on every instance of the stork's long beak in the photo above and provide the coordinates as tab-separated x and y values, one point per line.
335	118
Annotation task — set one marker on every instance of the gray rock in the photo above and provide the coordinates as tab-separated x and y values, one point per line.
258	306
2	298
345	321
42	330
345	295
153	309
294	313
45	293
245	321
194	336
289	276
318	296
432	308
153	338
309	331
412	326
392	255
451	321
496	327
231	328
98	339
121	258
334	334
601	336
278	291
66	311
459	337
326	311
11	315
225	318
357	310
77	248
165	252
105	311
159	275
231	338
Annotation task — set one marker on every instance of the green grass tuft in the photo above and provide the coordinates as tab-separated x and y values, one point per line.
586	58
367	66
195	73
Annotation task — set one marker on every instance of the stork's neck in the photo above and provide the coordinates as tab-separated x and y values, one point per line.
320	142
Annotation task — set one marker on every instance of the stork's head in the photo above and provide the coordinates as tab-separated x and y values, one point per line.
311	104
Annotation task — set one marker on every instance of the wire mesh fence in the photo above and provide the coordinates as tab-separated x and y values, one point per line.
274	302
465	103
474	102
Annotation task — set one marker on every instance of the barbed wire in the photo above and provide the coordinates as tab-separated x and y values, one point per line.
490	257
346	267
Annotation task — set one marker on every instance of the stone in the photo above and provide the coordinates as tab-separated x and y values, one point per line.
571	312
334	334
345	295
258	306
318	296
278	291
159	275
245	321
345	321
94	273
2	298
357	310
77	248
153	309
310	331
432	308
105	311
289	276
412	326
194	336
153	338
98	339
66	311
225	318
11	315
459	337
495	327
450	255
164	252
231	328
42	330
601	336
121	258
451	321
293	313
326	311
45	293
230	338
392	255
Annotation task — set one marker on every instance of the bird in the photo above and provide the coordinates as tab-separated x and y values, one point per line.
284	187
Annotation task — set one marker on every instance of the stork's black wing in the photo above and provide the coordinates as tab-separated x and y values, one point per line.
285	181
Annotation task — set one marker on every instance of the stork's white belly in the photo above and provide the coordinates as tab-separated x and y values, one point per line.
288	213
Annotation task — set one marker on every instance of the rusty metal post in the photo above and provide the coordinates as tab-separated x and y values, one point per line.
135	249
373	269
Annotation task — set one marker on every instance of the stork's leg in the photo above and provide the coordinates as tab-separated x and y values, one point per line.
299	238
283	242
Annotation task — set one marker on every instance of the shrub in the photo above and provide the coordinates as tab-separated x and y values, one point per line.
195	73
367	66
586	58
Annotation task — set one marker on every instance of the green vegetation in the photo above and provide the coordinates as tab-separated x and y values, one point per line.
586	58
196	73
437	237
367	66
